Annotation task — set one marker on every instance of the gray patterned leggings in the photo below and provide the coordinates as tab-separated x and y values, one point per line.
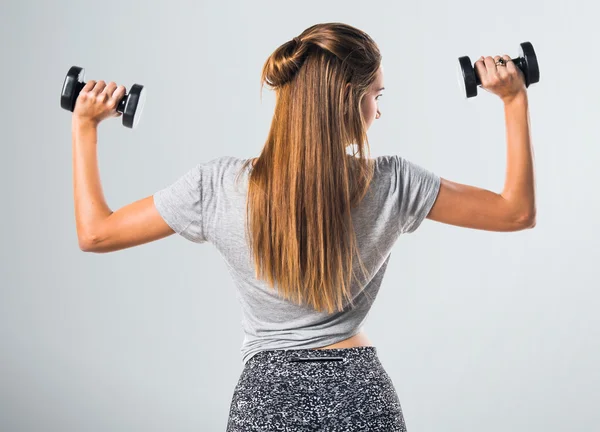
333	390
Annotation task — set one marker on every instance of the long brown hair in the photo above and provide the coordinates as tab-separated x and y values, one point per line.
304	183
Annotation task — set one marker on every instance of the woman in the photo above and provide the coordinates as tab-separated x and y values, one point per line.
307	215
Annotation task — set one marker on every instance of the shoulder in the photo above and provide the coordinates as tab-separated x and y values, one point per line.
219	166
387	162
219	161
387	165
221	172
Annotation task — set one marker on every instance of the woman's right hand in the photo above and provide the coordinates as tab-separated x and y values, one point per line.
505	81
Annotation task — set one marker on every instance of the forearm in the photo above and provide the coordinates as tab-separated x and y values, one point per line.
519	186
90	205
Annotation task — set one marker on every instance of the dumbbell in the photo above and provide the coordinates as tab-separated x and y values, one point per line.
527	62
131	105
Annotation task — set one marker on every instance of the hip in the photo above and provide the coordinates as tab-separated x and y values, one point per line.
300	389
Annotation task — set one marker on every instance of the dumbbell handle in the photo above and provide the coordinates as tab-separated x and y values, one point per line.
519	62
120	105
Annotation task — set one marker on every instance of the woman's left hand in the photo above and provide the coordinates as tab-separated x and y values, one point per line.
98	101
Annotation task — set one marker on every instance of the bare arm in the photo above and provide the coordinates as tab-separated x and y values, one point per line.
99	229
90	205
132	225
519	186
514	208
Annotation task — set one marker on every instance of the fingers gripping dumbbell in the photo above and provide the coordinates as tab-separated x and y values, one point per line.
131	105
527	62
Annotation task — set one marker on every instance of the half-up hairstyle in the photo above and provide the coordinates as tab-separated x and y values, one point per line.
304	183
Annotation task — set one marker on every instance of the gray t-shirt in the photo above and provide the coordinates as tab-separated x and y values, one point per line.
206	205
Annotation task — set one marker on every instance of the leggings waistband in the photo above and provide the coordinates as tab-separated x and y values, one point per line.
307	354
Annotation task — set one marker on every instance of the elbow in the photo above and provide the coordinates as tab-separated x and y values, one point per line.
527	221
86	244
532	223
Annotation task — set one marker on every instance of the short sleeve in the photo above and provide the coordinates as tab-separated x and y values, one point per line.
180	205
415	192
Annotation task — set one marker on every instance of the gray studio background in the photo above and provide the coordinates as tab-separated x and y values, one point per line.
479	331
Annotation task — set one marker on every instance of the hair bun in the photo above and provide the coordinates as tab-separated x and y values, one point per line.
281	67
